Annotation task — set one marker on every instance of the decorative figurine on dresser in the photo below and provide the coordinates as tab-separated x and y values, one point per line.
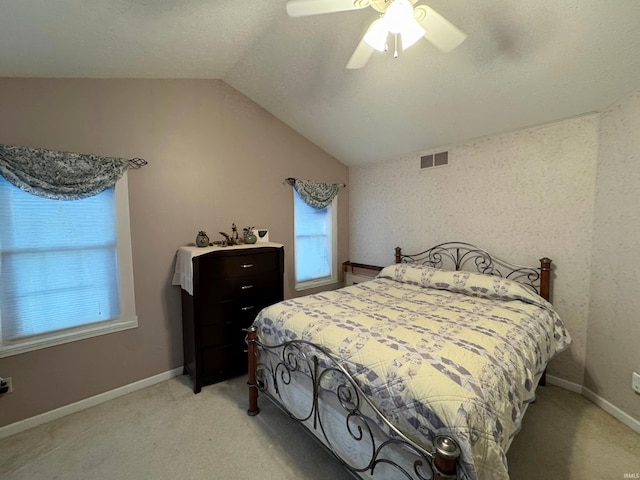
223	289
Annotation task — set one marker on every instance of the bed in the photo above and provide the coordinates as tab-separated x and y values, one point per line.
424	371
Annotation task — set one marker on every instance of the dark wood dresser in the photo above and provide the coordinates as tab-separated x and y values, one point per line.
230	286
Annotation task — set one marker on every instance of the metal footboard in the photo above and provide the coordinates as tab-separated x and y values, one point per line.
340	415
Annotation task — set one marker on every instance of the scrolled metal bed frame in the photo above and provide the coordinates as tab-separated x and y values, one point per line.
462	256
272	369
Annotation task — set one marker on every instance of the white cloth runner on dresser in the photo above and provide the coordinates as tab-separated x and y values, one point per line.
183	273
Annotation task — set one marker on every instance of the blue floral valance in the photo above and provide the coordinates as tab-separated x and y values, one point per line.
315	194
61	175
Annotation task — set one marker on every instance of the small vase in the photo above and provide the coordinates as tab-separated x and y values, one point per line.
202	240
250	238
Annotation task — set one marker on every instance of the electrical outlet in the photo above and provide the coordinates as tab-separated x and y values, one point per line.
635	382
6	385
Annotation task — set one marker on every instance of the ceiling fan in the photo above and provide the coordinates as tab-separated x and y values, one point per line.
398	17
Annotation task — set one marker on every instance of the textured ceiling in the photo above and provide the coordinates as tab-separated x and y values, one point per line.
524	63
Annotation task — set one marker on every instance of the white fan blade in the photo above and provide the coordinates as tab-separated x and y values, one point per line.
361	56
303	8
443	34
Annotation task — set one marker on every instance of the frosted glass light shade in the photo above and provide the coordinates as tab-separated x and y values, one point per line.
411	32
376	36
398	14
398	19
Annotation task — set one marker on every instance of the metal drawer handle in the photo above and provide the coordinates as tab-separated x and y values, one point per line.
244	309
246	265
246	287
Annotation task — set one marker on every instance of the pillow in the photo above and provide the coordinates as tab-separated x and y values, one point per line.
469	283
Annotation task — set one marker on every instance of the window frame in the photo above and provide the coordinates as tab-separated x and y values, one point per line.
128	318
332	278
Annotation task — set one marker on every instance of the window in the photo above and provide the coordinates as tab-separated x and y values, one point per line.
316	243
65	268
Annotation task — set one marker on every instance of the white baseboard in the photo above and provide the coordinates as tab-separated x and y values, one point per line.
559	382
608	407
31	422
611	409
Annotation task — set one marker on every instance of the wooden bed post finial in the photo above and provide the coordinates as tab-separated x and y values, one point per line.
252	335
398	255
445	458
545	278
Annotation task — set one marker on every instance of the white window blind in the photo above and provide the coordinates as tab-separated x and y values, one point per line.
315	243
60	275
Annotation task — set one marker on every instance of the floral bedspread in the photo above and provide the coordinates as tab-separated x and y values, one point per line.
438	352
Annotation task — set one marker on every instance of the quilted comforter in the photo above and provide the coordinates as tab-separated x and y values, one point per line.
437	352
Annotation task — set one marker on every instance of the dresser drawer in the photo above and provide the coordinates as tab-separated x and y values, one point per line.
244	288
225	333
238	265
229	329
247	305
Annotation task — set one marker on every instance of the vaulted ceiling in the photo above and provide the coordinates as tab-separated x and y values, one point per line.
524	63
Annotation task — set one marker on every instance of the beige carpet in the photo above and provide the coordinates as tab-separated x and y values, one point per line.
167	432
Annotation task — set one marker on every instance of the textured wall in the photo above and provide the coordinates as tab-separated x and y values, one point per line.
520	195
614	314
214	157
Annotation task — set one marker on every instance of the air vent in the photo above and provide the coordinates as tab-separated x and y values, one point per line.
434	160
426	161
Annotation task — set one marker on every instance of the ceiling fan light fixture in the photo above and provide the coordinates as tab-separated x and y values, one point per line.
398	17
376	36
398	14
411	33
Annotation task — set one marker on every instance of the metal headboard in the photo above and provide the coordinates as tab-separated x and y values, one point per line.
467	257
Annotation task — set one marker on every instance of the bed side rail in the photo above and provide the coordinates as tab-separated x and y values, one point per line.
355	273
